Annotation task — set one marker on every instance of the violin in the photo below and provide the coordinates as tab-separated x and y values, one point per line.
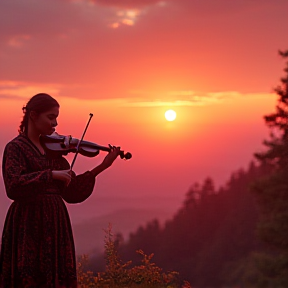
55	145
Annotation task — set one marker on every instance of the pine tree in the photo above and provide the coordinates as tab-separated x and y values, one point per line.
272	195
277	153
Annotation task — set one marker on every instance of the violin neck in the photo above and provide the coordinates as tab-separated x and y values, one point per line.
103	148
107	149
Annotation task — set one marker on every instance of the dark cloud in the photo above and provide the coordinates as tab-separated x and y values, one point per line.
208	6
54	17
127	3
41	18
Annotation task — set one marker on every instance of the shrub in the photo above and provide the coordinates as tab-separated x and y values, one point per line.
121	275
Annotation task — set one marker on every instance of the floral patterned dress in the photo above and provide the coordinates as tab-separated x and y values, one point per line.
37	248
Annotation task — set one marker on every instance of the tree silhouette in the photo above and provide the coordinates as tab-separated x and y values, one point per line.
272	194
277	152
209	236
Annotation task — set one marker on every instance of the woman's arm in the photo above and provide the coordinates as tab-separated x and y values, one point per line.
81	186
19	183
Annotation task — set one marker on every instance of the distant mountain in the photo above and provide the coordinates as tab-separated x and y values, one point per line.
92	216
96	205
89	235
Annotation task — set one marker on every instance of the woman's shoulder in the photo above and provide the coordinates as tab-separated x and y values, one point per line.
19	139
18	142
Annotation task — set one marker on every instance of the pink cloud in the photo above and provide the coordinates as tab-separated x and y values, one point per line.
189	47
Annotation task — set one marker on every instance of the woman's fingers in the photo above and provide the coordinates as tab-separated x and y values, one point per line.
63	175
114	149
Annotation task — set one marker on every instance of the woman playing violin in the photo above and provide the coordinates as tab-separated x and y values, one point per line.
37	248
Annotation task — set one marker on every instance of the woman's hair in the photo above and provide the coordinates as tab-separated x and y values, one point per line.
39	103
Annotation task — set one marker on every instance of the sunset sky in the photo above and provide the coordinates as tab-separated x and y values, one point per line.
214	62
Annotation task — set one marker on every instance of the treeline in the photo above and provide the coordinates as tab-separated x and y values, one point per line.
208	239
236	235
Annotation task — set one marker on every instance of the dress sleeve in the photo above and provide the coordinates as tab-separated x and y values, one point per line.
19	183
79	189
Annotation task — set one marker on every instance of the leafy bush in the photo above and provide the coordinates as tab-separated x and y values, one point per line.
118	274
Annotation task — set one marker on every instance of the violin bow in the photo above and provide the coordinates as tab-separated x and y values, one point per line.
79	142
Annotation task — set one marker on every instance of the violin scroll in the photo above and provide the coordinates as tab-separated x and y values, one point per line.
126	155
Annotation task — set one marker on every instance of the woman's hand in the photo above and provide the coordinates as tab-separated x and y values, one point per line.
63	175
111	156
107	161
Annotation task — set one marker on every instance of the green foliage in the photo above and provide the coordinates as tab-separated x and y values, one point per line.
265	271
271	267
119	274
272	196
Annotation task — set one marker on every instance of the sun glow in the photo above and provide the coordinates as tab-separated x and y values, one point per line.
170	115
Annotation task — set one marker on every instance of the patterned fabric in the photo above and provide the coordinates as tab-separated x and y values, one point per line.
37	248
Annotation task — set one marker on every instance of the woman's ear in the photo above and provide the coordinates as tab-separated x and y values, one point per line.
33	115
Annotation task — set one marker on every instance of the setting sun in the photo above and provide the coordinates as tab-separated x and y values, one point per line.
170	115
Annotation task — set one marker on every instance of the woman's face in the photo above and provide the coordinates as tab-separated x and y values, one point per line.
46	122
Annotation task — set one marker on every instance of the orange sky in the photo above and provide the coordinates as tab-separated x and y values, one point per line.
214	62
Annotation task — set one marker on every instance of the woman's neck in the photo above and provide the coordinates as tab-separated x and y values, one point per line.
33	135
